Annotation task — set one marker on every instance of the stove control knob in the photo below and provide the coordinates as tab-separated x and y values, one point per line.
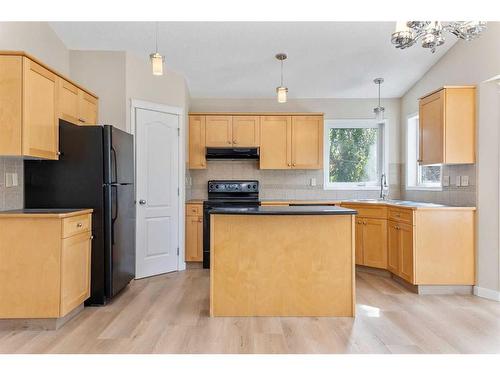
255	187
216	186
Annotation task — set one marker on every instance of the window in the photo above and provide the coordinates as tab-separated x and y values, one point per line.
426	177
354	154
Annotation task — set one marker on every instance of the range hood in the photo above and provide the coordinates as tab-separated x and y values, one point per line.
235	153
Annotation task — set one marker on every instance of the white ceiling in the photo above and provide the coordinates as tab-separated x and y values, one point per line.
236	59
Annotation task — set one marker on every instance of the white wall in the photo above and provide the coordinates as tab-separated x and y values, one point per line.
103	73
472	63
37	39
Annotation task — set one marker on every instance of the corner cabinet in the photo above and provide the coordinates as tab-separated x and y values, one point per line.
447	120
33	98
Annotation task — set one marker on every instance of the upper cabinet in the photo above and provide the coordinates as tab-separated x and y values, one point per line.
286	141
219	131
197	142
447	120
32	100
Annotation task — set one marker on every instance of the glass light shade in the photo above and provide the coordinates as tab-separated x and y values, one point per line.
157	63
379	114
282	94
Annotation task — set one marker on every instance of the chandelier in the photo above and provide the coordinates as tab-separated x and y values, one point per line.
431	33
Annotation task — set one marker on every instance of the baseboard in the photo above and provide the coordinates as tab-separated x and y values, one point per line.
39	324
487	293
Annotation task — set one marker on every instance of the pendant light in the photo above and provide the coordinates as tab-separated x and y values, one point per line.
379	110
157	60
281	91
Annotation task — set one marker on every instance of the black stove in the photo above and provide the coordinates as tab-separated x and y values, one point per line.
226	193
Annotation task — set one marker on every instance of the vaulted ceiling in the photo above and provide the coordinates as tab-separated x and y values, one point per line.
236	59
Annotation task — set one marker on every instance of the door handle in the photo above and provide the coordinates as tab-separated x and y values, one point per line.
142	202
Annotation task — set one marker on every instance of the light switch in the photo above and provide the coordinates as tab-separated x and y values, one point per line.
457	181
313	181
446	180
10	179
464	180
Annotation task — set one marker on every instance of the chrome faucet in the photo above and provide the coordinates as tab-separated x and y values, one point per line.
383	184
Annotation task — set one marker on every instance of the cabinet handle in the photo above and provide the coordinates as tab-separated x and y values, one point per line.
58	153
293	164
79	225
235	142
364	222
228	142
81	120
289	165
92	237
359	222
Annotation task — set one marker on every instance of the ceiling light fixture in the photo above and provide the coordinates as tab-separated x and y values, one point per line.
281	91
432	32
379	110
157	60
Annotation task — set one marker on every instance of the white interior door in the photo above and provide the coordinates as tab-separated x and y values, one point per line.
157	160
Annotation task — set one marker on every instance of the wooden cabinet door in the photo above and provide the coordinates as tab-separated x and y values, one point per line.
393	244
406	252
375	243
246	131
75	271
307	142
11	101
218	131
67	99
87	108
431	123
275	142
359	241
194	238
197	151
40	124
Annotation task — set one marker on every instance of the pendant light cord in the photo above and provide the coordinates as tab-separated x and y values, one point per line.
379	94
156	37
281	73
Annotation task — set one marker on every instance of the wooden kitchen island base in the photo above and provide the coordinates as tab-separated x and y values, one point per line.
282	265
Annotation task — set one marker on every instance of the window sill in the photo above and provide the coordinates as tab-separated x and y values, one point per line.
424	188
352	187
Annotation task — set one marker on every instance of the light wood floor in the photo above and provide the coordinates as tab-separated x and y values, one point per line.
169	314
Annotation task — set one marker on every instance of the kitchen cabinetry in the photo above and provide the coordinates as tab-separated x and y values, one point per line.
291	142
197	153
45	267
33	97
194	232
218	131
371	235
246	131
401	262
447	120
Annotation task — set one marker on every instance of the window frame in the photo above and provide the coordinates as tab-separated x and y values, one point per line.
416	169
382	152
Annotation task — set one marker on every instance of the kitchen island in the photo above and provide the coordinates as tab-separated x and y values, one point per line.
282	261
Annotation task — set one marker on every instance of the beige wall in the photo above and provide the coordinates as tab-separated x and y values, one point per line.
104	73
37	39
297	184
472	63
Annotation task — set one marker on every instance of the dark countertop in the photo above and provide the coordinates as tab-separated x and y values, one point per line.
284	210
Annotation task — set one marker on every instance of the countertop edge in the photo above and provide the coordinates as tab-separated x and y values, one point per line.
10	214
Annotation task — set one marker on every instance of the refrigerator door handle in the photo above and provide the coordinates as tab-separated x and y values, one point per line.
114	166
115	216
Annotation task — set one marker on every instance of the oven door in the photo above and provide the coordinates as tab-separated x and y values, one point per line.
207	206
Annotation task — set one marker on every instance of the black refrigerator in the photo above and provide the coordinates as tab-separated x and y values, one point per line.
95	170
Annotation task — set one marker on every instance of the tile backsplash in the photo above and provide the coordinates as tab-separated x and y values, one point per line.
11	197
450	195
278	184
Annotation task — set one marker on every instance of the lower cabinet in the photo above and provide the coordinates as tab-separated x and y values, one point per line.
194	233
400	250
371	239
45	263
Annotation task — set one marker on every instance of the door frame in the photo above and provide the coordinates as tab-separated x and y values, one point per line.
178	111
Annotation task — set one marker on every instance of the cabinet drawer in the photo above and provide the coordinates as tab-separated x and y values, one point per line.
75	225
377	212
194	209
401	215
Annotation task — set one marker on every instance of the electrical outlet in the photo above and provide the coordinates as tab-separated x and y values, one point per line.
313	181
446	180
464	180
457	181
